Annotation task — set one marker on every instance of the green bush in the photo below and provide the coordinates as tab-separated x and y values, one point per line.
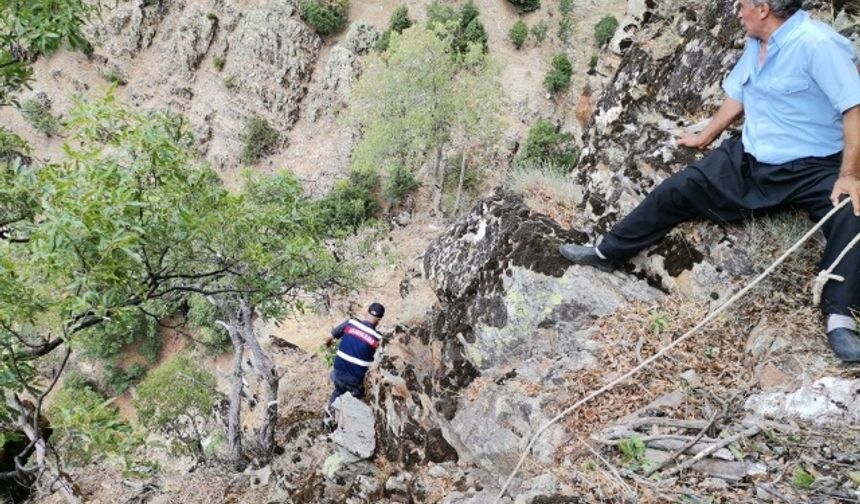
325	16
173	396
259	138
605	29
518	33
545	145
565	8
525	5
401	182
119	380
12	146
399	19
539	31
349	205
39	116
150	348
565	29
558	78
86	426
592	64
218	62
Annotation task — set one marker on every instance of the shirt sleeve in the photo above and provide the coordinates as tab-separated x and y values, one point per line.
337	332
833	67
734	83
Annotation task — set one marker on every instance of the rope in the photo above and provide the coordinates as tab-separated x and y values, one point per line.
827	274
671	346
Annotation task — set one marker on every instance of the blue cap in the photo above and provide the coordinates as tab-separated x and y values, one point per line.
376	309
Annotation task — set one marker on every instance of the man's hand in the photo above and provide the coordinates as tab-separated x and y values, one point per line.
695	141
328	341
850	185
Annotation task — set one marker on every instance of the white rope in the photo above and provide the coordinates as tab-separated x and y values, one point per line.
827	274
671	346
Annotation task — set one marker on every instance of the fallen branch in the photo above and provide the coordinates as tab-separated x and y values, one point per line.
677	453
609	466
752	431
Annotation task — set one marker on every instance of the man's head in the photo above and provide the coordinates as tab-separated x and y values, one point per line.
762	17
376	312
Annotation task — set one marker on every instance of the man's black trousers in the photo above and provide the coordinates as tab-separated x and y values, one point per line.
728	185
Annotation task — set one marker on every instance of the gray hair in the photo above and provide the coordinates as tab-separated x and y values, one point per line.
781	8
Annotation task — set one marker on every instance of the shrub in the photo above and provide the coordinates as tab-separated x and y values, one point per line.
605	29
349	205
518	33
399	19
592	64
463	27
172	398
230	81
12	146
114	76
523	6
119	380
539	31
38	114
558	78
565	29
324	16
150	348
260	139
86	425
544	144
218	62
565	8
401	182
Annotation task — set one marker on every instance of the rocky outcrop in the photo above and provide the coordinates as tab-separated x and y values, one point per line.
515	322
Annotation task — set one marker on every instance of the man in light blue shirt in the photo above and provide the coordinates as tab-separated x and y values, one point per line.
798	87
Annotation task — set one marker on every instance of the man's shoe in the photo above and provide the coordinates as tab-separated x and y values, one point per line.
845	344
585	256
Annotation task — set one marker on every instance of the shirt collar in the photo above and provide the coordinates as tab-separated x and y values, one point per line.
784	32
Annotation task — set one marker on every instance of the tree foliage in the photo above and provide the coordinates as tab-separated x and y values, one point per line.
128	224
558	78
523	6
325	16
399	21
29	28
545	145
412	103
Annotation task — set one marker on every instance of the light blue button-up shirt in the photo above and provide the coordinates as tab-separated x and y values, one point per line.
793	103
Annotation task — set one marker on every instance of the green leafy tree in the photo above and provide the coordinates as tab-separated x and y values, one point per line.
462	28
178	398
518	33
558	78
604	30
523	6
30	28
409	105
325	16
546	145
128	223
401	182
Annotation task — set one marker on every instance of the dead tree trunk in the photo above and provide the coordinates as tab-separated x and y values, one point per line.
266	368
234	415
460	183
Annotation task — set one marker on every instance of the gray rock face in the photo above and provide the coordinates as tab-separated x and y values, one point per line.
516	321
355	427
276	53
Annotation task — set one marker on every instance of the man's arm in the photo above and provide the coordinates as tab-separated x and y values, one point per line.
849	175
730	110
336	333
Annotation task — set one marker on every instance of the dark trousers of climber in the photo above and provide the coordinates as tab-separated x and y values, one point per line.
729	185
